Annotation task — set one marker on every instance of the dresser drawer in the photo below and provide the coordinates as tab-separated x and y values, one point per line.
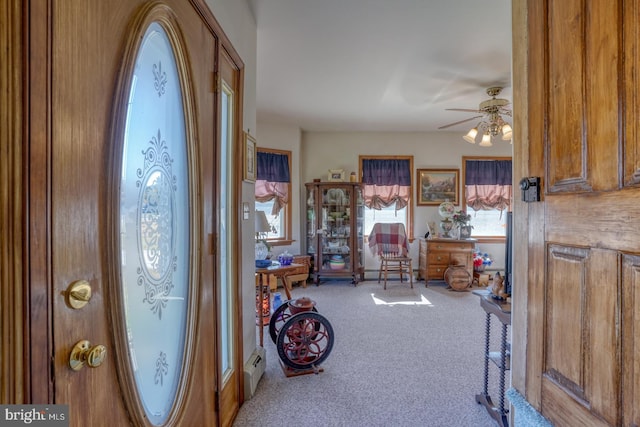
436	272
455	246
459	258
438	258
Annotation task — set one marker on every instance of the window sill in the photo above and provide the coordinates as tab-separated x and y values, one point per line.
280	242
489	239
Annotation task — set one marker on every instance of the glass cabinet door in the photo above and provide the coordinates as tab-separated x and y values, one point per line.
359	227
335	239
311	221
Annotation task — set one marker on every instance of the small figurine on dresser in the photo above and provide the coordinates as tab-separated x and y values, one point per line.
498	290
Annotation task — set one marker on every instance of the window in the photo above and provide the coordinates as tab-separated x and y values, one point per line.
387	186
487	195
273	192
384	215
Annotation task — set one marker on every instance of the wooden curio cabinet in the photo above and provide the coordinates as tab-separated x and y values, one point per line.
335	213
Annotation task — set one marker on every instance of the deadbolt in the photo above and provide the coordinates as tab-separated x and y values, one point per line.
78	294
83	354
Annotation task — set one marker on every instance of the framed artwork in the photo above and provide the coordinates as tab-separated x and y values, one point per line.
249	173
336	175
437	185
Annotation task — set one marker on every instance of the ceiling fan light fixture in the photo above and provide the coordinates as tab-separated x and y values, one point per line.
471	136
507	132
492	119
486	140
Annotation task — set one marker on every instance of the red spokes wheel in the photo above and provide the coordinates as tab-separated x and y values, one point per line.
305	340
279	318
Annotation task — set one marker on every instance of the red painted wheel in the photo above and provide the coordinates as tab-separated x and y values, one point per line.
279	318
305	340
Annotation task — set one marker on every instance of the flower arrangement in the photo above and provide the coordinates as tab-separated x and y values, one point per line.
461	218
481	261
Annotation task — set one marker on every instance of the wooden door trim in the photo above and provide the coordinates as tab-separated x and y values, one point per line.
38	173
528	242
13	207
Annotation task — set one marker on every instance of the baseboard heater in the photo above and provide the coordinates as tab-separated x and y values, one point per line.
253	370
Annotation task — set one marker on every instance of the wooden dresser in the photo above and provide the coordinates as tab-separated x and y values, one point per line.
436	255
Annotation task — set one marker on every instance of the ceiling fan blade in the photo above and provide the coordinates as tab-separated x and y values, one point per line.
460	122
463	109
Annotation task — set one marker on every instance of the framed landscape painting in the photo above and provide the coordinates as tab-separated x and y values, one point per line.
249	170
435	186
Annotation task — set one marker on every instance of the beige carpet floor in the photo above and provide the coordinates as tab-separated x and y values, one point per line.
401	357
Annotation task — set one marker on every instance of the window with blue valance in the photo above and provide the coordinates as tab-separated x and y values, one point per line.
488	184
272	167
386	182
272	179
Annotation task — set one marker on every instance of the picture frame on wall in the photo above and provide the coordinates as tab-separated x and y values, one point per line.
435	186
336	175
249	171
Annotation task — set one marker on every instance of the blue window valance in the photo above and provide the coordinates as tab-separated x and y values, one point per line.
386	172
488	172
272	167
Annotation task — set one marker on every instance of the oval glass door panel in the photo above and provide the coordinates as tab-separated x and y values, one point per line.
154	226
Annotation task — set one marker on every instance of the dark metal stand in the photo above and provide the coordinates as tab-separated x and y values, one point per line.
502	310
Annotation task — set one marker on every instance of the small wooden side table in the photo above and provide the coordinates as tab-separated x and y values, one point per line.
502	310
279	271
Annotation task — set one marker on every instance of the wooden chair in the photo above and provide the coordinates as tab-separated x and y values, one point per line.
390	243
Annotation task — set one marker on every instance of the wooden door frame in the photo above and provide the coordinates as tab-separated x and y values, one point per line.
528	150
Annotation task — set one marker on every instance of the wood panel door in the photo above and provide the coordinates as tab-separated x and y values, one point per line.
107	184
580	295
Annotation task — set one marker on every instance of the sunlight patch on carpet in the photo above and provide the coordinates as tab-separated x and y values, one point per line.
395	300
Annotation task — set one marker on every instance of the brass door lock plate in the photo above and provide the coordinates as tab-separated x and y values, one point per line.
78	294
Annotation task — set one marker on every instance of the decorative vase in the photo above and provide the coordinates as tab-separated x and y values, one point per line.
446	209
261	250
446	225
465	231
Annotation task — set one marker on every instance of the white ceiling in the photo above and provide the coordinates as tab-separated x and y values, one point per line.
379	65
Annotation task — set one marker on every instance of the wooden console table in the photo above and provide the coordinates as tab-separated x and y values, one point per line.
502	310
262	286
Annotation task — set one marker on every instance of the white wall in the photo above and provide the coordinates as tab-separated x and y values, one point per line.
285	137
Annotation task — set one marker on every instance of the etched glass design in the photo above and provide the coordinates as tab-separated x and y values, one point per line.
154	225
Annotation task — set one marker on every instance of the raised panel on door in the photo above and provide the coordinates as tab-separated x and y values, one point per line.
630	366
581	306
631	92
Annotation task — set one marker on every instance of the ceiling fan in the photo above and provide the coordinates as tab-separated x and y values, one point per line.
491	114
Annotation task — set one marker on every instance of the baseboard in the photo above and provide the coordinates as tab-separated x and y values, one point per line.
253	370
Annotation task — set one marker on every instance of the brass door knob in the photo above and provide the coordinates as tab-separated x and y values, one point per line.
84	354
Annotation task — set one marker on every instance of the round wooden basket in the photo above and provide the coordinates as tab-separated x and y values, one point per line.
457	277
